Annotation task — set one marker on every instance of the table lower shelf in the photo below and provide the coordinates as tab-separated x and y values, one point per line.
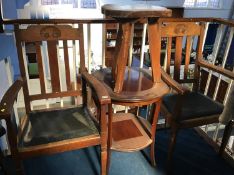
128	134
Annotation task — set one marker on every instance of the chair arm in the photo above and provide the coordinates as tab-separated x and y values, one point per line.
98	88
7	102
217	69
172	83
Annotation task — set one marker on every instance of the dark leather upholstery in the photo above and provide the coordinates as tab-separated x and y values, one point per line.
195	105
51	126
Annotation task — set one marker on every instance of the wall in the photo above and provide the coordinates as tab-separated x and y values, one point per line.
8	49
223	12
7	44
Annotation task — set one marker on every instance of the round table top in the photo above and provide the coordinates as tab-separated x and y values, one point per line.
137	87
135	11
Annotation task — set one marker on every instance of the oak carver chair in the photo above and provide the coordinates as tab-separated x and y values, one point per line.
56	129
185	108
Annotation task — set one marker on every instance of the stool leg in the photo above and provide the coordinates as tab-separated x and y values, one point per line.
155	47
152	154
122	56
226	135
156	110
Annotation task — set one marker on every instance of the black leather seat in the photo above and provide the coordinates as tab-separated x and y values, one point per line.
57	125
195	105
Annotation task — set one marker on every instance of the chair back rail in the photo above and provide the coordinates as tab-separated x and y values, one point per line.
176	35
56	39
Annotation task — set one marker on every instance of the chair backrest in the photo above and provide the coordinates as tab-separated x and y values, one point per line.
53	46
183	39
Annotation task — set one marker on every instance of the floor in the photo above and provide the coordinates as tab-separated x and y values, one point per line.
193	156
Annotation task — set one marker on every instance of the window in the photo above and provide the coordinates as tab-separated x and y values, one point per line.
74	2
83	3
49	2
202	3
88	4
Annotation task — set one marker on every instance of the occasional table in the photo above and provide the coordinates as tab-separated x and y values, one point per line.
132	86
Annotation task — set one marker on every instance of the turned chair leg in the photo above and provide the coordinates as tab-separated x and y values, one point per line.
226	135
19	166
1	163
108	161
104	158
174	131
152	154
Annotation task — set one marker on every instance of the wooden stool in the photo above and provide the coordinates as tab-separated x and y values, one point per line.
126	15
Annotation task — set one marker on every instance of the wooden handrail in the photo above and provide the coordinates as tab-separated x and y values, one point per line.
57	21
217	20
187	19
104	20
225	21
217	69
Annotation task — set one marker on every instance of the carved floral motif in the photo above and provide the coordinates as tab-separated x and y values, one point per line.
50	32
180	29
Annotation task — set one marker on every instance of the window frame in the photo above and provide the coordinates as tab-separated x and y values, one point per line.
208	6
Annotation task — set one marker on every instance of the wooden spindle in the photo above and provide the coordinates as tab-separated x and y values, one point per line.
178	58
40	67
187	56
67	67
169	42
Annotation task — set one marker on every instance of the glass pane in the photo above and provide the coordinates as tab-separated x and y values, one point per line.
202	3
49	2
88	4
189	3
214	3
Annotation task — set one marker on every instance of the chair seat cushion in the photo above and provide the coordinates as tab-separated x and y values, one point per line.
51	126
195	105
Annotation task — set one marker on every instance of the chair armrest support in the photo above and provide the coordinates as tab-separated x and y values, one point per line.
99	89
217	69
172	83
9	98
